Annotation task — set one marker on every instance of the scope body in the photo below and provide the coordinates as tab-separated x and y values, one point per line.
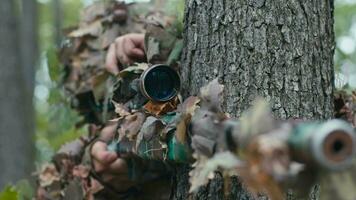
331	145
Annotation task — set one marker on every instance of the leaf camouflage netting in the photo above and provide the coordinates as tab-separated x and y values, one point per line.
270	156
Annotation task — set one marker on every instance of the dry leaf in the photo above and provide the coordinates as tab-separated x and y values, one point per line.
151	127
268	163
131	125
204	168
181	132
137	68
148	143
81	171
100	85
109	36
48	175
161	108
257	120
93	29
189	105
121	109
93	12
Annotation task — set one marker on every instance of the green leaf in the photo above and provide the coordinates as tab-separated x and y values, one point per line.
176	52
53	64
25	191
9	193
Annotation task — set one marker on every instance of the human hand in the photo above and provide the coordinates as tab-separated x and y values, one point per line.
124	51
112	169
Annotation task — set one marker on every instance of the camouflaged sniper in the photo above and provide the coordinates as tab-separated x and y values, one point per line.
90	90
154	136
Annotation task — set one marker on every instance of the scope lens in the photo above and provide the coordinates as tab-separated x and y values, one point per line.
160	83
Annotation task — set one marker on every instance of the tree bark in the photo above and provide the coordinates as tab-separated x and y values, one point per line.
58	16
16	115
281	50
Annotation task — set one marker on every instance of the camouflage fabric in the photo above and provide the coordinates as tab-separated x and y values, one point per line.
83	56
93	93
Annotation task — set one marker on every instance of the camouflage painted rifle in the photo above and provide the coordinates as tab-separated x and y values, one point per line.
282	151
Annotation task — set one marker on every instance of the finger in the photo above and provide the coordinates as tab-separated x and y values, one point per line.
137	53
124	60
121	53
111	63
127	45
108	132
119	166
138	40
102	155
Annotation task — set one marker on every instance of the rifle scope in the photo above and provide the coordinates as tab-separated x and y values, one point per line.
160	83
331	145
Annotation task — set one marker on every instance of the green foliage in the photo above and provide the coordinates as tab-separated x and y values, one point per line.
21	191
24	189
176	7
53	64
55	120
345	35
9	193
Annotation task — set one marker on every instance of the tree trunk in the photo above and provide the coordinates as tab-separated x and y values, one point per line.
58	16
278	49
16	86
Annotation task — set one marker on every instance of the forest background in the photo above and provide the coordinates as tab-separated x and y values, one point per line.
56	121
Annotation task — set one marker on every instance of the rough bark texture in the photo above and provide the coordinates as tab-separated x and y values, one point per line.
279	49
16	133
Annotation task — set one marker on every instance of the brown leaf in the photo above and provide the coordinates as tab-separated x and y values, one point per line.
149	142
161	108
81	171
100	85
151	127
158	42
48	175
204	168
93	29
268	163
131	125
73	190
93	12
181	132
257	120
73	149
137	68
189	105
121	109
109	36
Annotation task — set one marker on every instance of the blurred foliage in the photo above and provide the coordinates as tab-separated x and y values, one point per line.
55	121
9	193
21	191
345	32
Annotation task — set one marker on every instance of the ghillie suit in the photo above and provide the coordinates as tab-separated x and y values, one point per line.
92	92
270	156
